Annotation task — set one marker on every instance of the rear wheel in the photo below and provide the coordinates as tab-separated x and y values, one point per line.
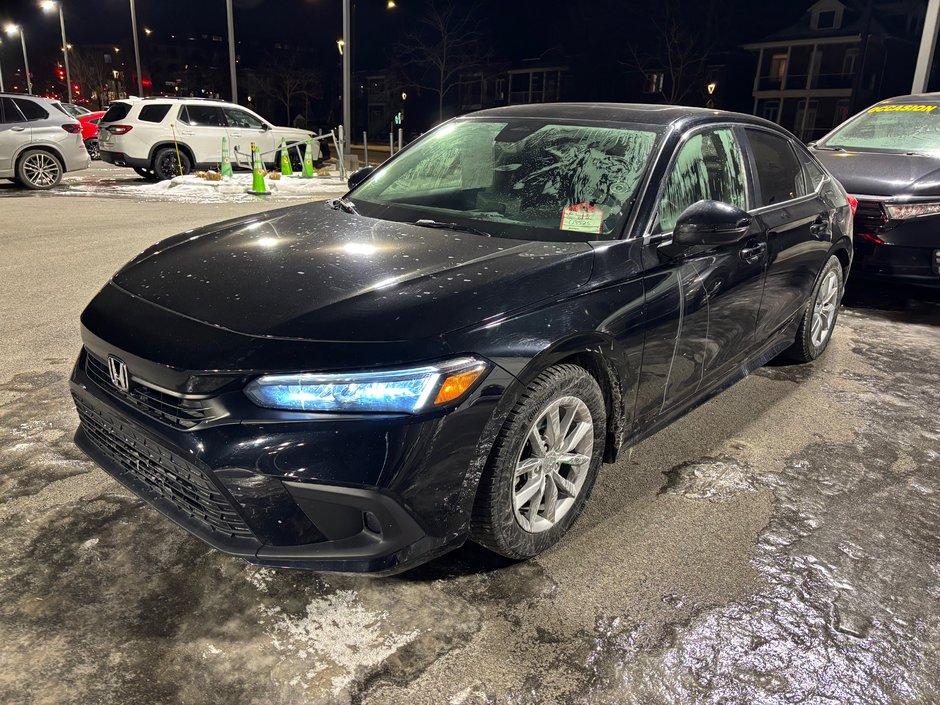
91	146
170	162
38	169
543	464
819	320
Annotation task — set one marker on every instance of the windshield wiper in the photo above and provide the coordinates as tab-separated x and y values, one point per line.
830	149
344	204
427	223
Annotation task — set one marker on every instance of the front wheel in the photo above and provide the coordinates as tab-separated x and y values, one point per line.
543	464
39	170
170	162
819	319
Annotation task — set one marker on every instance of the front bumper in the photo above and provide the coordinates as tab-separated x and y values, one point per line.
376	496
903	250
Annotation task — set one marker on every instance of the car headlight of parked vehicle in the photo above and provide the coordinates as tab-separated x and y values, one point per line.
408	391
905	211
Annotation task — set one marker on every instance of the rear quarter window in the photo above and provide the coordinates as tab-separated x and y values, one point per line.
116	111
31	111
153	113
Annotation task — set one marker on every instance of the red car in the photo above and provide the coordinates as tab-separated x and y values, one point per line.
90	132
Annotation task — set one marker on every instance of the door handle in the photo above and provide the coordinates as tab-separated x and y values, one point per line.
17	128
753	253
820	228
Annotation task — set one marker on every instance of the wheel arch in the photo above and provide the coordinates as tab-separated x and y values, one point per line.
38	147
183	147
842	250
597	354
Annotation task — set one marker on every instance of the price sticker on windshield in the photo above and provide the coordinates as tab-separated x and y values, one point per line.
583	218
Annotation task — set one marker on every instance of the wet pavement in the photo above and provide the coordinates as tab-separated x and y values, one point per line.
781	544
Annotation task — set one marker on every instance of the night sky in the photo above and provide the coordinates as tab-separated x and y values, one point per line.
516	28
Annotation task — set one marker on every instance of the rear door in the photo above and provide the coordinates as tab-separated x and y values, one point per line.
245	129
798	225
202	127
14	133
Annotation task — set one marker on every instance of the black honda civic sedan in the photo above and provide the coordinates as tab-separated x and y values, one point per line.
888	157
453	349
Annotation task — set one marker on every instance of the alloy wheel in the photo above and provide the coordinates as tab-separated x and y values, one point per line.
41	170
553	464
824	309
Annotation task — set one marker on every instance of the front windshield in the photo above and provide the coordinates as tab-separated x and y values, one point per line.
520	177
894	128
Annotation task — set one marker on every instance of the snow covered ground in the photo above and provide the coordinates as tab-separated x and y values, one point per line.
103	180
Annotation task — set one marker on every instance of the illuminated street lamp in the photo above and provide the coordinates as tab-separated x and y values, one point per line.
51	6
12	30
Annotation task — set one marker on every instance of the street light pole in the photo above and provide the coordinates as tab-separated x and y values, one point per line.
1	73
49	6
29	81
347	74
231	49
65	53
140	78
928	42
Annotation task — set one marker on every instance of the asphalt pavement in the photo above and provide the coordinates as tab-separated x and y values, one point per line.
780	544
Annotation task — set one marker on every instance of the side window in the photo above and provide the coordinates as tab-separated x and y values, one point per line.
153	113
239	118
709	166
10	112
202	115
779	173
32	111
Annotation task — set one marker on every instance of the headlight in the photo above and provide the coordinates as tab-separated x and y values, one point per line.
393	391
904	211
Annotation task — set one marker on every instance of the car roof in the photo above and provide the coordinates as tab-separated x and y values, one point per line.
928	98
680	116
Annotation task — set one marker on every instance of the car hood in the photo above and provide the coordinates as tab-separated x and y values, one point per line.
292	133
312	273
884	173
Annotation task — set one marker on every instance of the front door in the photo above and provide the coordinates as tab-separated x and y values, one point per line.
244	129
714	293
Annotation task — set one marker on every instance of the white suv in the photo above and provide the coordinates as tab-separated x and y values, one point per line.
163	137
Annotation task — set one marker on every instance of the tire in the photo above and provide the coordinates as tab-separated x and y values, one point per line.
146	173
39	170
166	165
91	146
822	310
504	520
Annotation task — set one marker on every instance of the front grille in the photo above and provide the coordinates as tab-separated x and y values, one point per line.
167	474
869	216
176	411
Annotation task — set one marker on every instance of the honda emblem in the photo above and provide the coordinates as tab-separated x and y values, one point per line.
118	371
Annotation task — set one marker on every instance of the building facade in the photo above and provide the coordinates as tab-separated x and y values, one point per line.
837	59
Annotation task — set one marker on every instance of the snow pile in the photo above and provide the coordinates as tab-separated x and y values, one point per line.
187	187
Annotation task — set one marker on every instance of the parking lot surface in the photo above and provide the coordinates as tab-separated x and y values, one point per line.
780	544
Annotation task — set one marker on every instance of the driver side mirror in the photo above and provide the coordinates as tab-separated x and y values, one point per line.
357	177
710	223
265	126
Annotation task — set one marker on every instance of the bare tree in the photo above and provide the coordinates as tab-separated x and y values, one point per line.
446	45
288	79
93	75
674	48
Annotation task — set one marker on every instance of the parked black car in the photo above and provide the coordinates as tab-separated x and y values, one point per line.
453	349
888	157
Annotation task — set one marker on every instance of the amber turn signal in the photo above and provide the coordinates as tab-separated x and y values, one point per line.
456	384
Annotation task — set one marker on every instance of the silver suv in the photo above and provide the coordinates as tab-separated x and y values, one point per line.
37	142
